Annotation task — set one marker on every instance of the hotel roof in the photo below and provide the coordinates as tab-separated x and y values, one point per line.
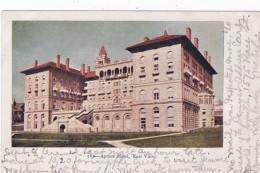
168	40
53	65
62	67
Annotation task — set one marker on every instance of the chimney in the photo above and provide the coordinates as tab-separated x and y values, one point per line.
58	61
35	63
82	69
67	64
196	43
206	55
146	39
209	59
188	33
88	69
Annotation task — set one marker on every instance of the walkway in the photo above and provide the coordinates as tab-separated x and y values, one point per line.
121	144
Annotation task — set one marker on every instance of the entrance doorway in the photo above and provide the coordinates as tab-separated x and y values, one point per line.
62	128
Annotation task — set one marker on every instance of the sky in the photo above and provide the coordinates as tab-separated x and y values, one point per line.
81	41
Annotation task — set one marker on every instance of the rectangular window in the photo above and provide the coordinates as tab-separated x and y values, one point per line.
156	67
156	96
142	69
170	66
143	123
156	122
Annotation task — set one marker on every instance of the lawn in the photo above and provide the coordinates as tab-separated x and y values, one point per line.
74	140
200	138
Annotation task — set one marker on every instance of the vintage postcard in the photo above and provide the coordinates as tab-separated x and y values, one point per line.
130	91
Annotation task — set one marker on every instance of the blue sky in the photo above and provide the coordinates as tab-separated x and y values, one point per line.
81	42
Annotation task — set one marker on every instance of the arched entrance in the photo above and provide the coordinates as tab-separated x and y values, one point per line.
62	128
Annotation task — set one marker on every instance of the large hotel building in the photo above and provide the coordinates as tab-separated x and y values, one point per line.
167	85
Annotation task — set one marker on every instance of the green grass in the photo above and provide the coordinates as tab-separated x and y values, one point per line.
75	140
28	143
206	138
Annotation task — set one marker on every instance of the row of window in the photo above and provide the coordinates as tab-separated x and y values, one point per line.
36	93
37	78
206	100
116	100
116	71
156	94
36	87
35	121
66	106
156	68
156	117
156	57
67	95
97	118
191	96
36	105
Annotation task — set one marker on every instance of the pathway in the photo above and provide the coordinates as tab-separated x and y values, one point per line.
121	144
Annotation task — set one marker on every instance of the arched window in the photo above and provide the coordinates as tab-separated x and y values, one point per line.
170	54
101	74
30	80
35	105
71	106
29	121
143	118
63	106
130	104
108	105
142	95
156	57
43	105
142	60
156	94
106	117
142	111
42	117
35	121
170	93
116	71
124	104
117	117
29	105
116	100
99	107
170	116
103	106
43	77
156	117
97	118
156	110
36	78
109	72
124	70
